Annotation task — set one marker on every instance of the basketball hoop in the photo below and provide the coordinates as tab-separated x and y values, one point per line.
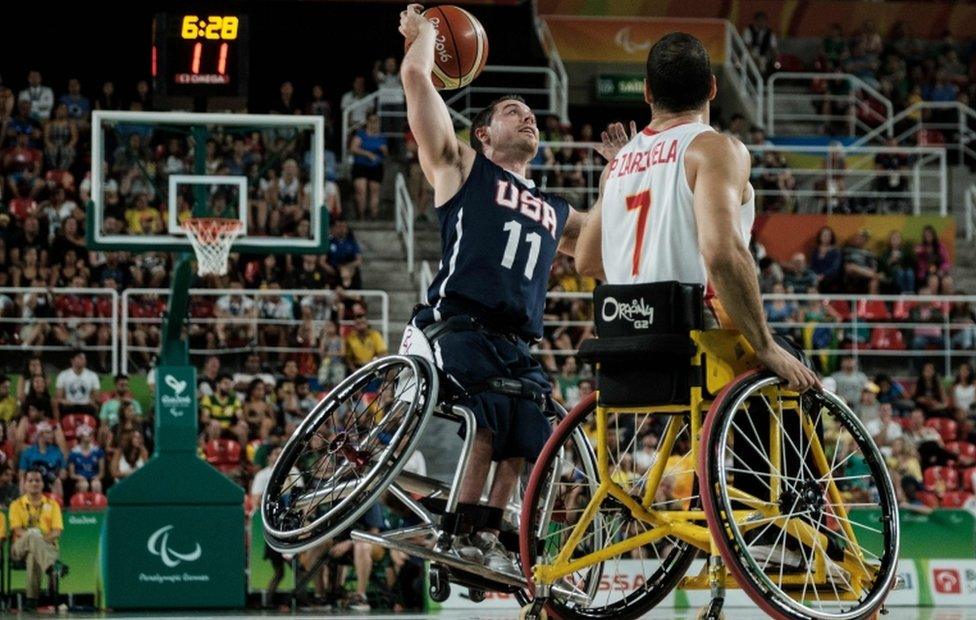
211	238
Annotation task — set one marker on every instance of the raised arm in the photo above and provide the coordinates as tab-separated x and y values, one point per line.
443	158
718	171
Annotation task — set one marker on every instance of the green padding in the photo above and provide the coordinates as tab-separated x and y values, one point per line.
943	534
176	479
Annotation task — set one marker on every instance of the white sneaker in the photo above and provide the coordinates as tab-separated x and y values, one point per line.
496	556
467	547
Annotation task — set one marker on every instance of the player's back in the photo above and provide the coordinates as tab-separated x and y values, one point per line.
649	228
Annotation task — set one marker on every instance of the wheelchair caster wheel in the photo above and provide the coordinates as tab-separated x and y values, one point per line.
476	596
440	587
529	612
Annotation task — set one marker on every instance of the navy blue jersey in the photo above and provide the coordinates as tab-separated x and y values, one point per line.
499	235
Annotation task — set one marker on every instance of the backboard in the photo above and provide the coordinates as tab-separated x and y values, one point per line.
160	168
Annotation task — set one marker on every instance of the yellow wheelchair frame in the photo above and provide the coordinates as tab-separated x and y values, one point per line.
721	355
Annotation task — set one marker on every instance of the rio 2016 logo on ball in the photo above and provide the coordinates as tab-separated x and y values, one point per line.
461	48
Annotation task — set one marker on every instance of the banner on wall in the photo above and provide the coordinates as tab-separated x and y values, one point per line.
627	40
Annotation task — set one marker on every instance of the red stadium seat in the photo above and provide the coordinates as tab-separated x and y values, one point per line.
872	310
57	498
902	309
955	499
930	137
842	308
967	478
88	501
963	448
224	454
887	339
945	427
71	421
929	499
941	479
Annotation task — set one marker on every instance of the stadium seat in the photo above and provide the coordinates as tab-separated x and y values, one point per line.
887	338
224	454
873	310
57	498
955	499
967	478
945	427
940	479
930	137
902	309
88	501
72	421
842	308
962	448
929	499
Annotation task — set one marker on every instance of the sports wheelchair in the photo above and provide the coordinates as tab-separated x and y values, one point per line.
352	447
781	494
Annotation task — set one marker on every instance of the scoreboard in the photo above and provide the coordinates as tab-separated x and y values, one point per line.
200	54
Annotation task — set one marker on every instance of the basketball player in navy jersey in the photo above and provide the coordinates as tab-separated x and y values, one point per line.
499	236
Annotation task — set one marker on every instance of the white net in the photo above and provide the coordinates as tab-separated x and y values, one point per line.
211	238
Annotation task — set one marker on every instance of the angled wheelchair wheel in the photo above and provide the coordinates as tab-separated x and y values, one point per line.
799	501
347	451
557	494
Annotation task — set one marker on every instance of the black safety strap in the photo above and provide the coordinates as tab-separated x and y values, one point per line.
470	518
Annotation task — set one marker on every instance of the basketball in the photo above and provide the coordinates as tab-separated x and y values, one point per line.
462	47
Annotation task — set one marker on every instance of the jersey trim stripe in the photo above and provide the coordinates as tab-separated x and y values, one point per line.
455	250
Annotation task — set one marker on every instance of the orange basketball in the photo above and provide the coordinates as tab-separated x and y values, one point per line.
461	49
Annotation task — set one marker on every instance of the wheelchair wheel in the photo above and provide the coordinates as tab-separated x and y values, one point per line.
558	492
781	521
346	452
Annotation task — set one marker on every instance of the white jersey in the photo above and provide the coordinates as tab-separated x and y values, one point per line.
649	229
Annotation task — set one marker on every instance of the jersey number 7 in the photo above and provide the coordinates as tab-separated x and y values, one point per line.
640	202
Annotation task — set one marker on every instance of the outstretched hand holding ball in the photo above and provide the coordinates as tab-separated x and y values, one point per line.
460	43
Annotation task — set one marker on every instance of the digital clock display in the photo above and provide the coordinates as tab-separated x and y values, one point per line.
198	54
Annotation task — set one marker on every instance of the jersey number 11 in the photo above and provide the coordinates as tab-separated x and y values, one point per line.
514	230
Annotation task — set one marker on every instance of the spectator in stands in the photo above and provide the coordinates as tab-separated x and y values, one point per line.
22	123
252	369
36	523
776	183
208	376
797	277
9	407
930	336
761	42
386	75
39	398
892	178
358	117
850	381
567	383
897	267
86	462
319	105
258	412
285	104
107	99
906	469
23	164
345	255
128	422
222	410
40	97
825	260
370	149
927	441
363	343
60	139
892	393
9	489
44	456
931	255
738	128
79	106
963	393
258	485
36	306
274	311
332	352
834	47
770	274
780	310
884	429
928	394
963	319
77	387
236	318
868	405
130	456
108	414
861	265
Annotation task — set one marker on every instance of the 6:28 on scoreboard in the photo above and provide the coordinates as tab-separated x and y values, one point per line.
200	54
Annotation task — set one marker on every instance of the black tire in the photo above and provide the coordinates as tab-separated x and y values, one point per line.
347	451
806	490
659	582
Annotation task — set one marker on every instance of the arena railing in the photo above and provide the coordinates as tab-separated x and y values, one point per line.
970	200
855	332
782	105
744	74
13	329
560	88
925	189
404	216
925	183
952	120
316	322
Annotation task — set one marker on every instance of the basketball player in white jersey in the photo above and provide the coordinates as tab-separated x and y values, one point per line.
676	204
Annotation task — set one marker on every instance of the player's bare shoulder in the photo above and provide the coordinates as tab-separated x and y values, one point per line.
717	151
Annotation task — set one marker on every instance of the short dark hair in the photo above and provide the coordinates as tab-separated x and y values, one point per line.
483	119
679	72
224	375
121	376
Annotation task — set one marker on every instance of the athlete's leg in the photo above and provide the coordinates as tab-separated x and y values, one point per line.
473	482
506	476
